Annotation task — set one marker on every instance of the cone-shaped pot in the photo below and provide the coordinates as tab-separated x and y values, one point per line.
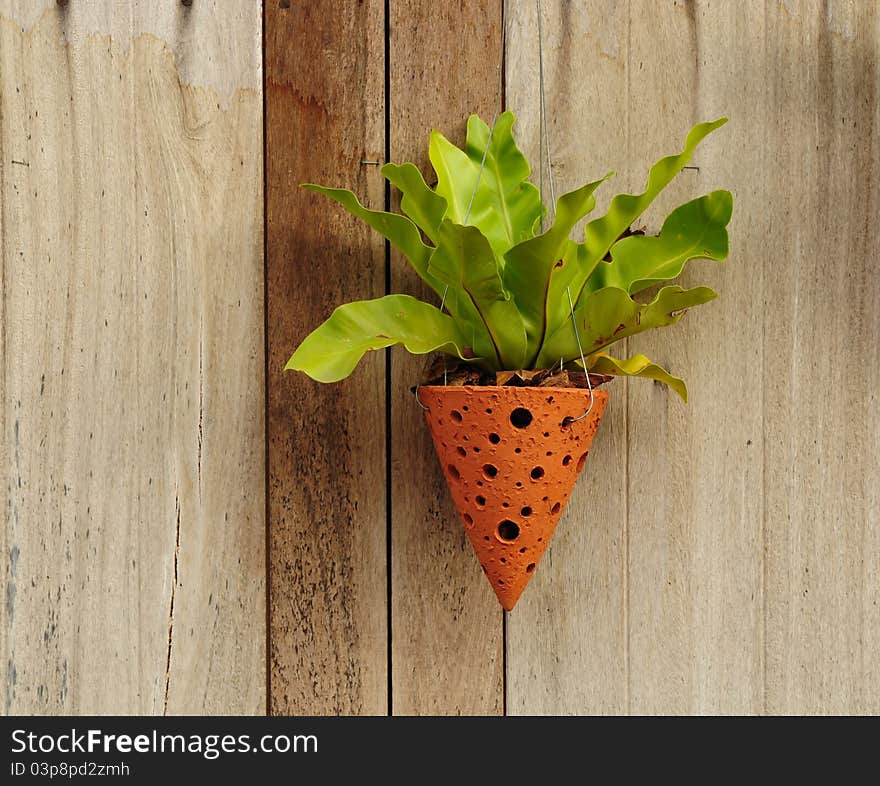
511	457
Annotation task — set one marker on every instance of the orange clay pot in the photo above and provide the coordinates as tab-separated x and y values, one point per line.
511	457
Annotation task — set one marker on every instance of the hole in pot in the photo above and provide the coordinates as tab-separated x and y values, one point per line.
555	509
537	473
582	460
566	461
461	451
546	433
549	399
501	581
480	500
508	531
468	519
490	470
530	567
488	410
453	472
545	499
476	449
523	550
494	439
519	484
503	560
456	416
479	482
549	453
526	512
486	537
465	408
505	504
520	417
517	450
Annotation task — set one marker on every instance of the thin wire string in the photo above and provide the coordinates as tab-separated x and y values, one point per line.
498	92
467	215
543	130
544	146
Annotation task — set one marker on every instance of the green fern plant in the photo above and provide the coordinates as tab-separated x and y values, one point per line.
476	240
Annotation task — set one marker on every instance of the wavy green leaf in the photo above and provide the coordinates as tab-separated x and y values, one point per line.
331	351
529	264
505	206
426	208
609	315
635	366
696	229
504	281
603	232
465	261
507	172
402	233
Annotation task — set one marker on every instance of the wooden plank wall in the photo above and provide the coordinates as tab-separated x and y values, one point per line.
821	335
325	94
567	635
723	556
447	647
132	356
720	556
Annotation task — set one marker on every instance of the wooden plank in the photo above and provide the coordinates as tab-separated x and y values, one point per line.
695	470
713	624
822	333
324	118
446	622
566	639
133	440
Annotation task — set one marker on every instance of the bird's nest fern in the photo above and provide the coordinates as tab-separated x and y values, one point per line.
476	239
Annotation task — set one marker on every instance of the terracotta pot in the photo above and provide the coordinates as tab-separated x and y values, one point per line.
511	456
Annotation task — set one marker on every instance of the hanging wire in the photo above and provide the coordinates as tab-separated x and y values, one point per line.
498	93
543	132
577	335
544	145
541	126
544	148
467	215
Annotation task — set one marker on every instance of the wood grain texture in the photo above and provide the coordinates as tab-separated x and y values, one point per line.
324	117
696	469
132	383
822	333
567	636
717	557
752	550
446	623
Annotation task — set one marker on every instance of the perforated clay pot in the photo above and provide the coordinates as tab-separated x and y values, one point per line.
511	457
